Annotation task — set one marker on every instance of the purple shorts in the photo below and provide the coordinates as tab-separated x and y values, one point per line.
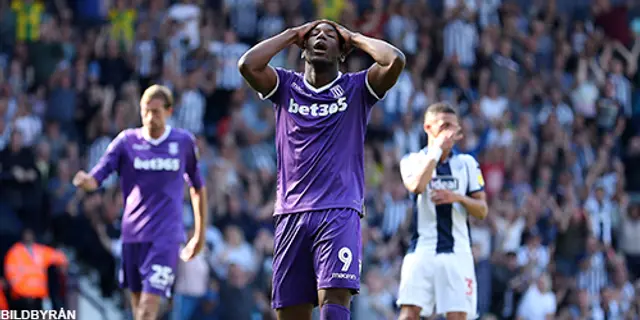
315	250
149	267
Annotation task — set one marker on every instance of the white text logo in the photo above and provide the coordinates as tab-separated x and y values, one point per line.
37	314
157	164
444	183
319	109
297	88
141	147
340	275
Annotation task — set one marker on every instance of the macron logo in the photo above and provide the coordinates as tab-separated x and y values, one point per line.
318	109
141	147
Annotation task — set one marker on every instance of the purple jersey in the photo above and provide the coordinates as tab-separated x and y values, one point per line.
152	174
320	141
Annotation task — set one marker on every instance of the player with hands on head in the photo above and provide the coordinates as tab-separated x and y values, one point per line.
153	163
438	269
321	120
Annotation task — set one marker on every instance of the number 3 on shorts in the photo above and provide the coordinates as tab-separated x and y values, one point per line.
469	286
345	256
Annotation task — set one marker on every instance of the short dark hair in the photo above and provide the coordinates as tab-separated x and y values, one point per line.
158	92
440	107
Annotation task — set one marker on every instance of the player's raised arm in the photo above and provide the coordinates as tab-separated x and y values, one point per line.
390	61
254	64
416	169
105	167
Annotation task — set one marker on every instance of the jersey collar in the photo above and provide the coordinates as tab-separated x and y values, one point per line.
325	87
162	138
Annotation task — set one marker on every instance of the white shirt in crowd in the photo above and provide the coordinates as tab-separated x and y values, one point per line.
145	53
190	115
511	234
584	99
538	255
499	138
31	127
242	256
563	112
493	109
601	214
481	236
488	12
96	150
407	141
460	36
192	277
228	55
189	14
397	98
630	235
536	305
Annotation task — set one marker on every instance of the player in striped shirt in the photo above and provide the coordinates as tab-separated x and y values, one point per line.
438	270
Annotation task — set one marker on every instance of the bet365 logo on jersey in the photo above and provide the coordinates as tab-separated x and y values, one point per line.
444	183
318	109
156	164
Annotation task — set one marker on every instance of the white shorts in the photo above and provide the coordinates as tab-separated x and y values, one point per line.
446	281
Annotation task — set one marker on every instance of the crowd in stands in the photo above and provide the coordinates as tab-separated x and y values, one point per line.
549	98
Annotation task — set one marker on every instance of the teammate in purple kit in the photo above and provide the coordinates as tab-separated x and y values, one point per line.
153	162
321	120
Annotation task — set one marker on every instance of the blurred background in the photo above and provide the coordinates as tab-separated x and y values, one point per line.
548	91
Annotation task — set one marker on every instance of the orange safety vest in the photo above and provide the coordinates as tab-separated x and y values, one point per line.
26	271
4	305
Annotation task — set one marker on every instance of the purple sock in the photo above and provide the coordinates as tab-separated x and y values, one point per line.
334	312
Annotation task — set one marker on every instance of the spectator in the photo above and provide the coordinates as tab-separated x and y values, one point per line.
29	287
29	15
190	110
592	275
600	211
236	295
533	255
188	15
228	52
191	285
538	302
235	250
581	308
460	33
375	301
122	19
630	237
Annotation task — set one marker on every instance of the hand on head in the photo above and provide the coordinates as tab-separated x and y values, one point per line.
346	34
303	31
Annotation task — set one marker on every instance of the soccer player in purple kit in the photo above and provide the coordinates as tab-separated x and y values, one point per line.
153	163
321	120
